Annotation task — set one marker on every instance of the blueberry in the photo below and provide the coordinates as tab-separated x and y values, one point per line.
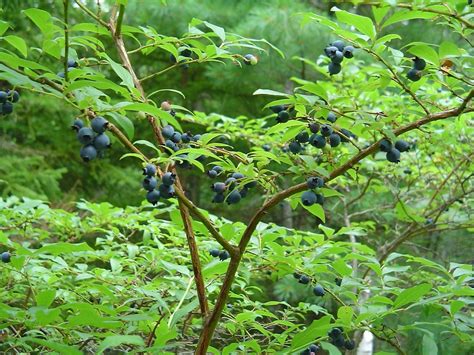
338	281
13	96
339	341
223	255
385	145
185	138
266	147
171	145
314	127
85	135
166	191
277	108
337	58
168	178
3	97
302	137
218	187
330	51
414	74
304	280
334	68
186	52
419	64
407	171
167	131
317	140
305	352
319	199
295	147
393	155
335	332
402	145
101	142
318	290
217	169
71	63
230	182
283	116
296	275
251	184
349	344
176	137
244	192
77	124
234	197
348	51
212	174
153	196
196	137
149	170
218	198
250	59
326	130
308	198
7	108
334	140
214	253
314	348
331	117
345	135
149	183
314	182
99	124
88	153
338	44
237	176
6	256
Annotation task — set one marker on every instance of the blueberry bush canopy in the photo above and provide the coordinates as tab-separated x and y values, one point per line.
343	208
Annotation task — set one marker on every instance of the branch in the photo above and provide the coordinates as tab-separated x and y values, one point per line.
66	38
119	21
91	14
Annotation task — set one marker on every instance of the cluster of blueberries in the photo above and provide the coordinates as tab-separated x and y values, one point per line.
337	51
173	138
93	139
338	339
7	99
71	64
222	254
393	151
229	189
309	197
150	182
318	290
414	74
5	256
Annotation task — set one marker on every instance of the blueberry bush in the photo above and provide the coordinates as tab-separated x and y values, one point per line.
375	145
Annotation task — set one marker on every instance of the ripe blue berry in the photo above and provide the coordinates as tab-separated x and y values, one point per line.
176	137
315	182
348	51
402	145
414	74
77	124
319	199
314	127
7	108
153	196
334	68
196	137
101	142
212	174
283	116
71	63
237	176
171	145
167	131
393	155
277	108
304	280
217	169
317	140
99	124
250	59
13	96
185	138
3	97
168	178
331	117
233	197
349	344
166	191
223	255
88	153
338	44
266	147
149	170
214	253
149	183
335	332
318	290
308	198
330	51
218	187
385	145
302	137
218	198
314	348
419	64
326	130
337	58
334	140
230	182
251	184
6	256
295	147
85	135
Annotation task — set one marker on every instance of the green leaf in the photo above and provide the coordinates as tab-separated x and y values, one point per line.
123	122
341	267
316	210
3	27
269	92
154	111
40	18
63	248
411	295
19	43
61	348
345	314
147	144
405	15
45	298
362	23
179	268
219	31
122	73
425	52
429	345
318	328
116	340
